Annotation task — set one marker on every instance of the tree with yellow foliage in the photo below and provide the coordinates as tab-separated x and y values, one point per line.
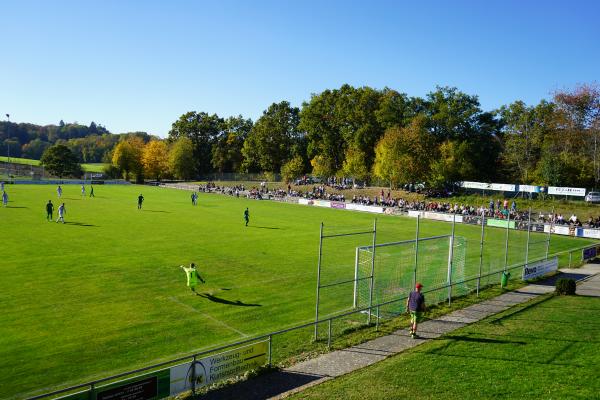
155	159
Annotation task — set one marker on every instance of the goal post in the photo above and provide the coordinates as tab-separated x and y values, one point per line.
391	272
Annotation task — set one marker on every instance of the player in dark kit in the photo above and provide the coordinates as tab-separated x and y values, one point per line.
140	201
247	216
49	210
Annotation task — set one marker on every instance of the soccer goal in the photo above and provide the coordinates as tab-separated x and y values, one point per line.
388	271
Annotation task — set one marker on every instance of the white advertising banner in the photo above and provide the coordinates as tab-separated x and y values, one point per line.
558	229
442	217
529	189
322	203
500	187
415	214
566	191
218	367
475	185
306	202
360	207
540	268
503	187
591	233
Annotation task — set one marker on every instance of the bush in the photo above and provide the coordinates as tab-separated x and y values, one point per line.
566	286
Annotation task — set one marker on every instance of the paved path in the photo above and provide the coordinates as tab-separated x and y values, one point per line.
298	377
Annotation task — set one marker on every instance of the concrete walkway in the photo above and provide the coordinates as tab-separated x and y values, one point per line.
298	377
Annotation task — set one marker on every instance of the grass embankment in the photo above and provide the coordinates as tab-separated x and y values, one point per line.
547	350
104	293
87	167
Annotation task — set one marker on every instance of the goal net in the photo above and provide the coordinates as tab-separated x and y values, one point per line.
388	271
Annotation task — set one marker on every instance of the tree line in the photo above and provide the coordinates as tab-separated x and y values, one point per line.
385	135
89	143
371	135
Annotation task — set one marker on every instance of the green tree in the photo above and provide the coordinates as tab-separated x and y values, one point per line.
404	155
60	161
292	169
335	120
523	133
321	166
34	149
181	159
227	149
355	164
270	142
203	130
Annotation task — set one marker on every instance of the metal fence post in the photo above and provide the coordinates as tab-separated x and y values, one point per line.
549	233
416	253
450	259
506	243
528	236
377	320
329	333
91	394
318	282
194	375
270	349
481	251
372	286
570	258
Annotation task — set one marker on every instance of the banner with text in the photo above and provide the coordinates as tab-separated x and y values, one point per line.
566	191
540	268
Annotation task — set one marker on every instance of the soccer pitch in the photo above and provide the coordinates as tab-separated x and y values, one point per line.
104	293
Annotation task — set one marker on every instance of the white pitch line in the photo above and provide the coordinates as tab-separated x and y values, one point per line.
208	316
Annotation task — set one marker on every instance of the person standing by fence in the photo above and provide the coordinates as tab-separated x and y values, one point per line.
415	305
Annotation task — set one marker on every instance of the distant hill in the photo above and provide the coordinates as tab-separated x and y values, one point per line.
91	144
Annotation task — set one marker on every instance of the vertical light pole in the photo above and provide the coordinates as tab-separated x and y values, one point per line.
8	143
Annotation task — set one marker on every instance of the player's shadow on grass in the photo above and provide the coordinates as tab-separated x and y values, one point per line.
78	223
262	227
158	211
225	301
16	207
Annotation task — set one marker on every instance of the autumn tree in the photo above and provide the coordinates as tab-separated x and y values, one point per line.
403	155
292	169
127	156
155	159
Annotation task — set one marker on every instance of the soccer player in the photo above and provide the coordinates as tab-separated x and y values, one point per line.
82	190
92	191
2	186
415	304
49	210
59	191
4	198
247	216
140	201
192	276
61	213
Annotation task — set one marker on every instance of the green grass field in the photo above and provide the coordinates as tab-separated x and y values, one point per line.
546	351
104	293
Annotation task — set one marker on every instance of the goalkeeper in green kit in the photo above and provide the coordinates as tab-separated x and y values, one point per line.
192	276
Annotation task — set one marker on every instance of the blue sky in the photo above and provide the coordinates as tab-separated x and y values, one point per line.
139	65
